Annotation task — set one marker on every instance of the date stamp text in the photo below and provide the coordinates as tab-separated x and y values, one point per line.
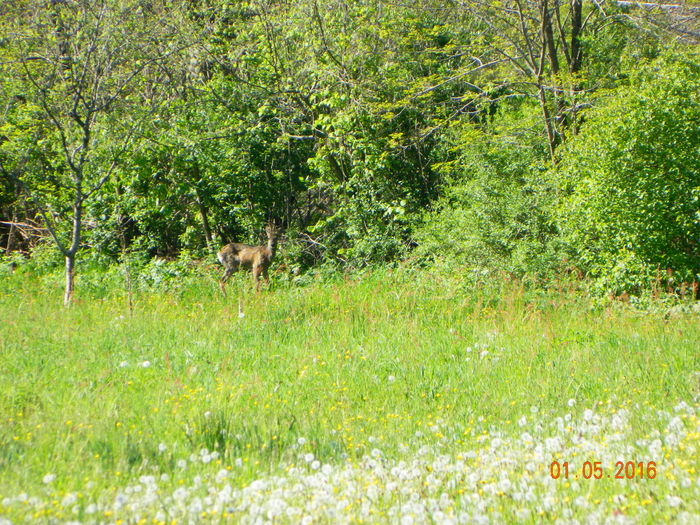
596	470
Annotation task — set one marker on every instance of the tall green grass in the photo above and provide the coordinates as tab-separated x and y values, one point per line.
98	394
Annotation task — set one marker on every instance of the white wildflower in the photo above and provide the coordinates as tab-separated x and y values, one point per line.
505	485
69	499
522	514
673	501
221	475
682	406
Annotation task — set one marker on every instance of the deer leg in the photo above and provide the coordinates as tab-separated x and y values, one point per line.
266	277
256	277
222	282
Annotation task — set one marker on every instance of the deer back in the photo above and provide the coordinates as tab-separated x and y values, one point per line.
238	254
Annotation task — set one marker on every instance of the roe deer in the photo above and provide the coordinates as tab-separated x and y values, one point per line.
257	258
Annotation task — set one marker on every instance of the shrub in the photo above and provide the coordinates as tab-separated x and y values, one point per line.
633	175
494	214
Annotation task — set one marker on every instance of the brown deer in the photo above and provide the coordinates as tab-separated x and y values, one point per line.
257	258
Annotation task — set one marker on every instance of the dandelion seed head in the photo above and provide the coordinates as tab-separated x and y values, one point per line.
673	501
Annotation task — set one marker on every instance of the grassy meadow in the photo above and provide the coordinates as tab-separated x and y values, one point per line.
403	397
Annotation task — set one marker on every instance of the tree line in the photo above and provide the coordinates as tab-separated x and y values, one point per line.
529	136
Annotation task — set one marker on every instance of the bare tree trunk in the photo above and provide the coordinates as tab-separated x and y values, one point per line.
11	235
121	222
73	250
576	58
576	27
70	274
205	221
549	44
551	134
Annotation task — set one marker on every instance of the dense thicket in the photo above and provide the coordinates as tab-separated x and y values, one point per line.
509	135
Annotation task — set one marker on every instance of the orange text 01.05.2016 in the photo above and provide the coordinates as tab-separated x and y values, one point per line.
594	470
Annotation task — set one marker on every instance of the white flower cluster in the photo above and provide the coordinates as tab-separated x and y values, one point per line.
506	478
486	350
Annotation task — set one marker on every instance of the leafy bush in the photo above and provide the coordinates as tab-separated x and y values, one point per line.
634	179
494	212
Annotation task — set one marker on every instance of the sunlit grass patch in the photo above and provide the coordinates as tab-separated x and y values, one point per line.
390	398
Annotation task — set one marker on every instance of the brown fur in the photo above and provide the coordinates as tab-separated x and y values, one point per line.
255	258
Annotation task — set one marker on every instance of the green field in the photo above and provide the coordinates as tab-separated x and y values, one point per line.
400	396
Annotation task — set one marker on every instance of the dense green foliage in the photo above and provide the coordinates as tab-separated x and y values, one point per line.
439	131
635	178
495	210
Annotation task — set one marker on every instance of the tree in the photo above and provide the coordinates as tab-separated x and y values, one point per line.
540	42
91	69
